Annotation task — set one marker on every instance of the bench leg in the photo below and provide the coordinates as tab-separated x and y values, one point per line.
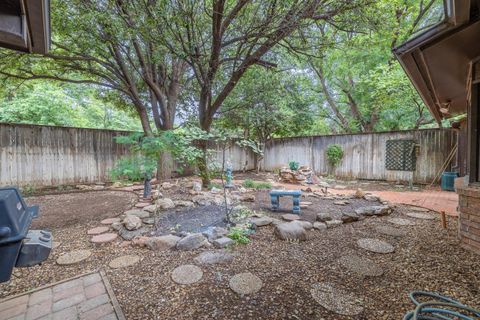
275	202
296	205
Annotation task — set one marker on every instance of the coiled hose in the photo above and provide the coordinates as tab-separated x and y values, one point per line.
439	308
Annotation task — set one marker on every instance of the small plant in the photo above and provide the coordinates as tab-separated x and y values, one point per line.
293	165
28	190
334	154
239	235
214	185
249	183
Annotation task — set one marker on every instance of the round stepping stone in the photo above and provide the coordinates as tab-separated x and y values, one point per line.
73	257
290	217
213	257
361	265
98	230
375	245
420	215
110	220
187	274
336	300
245	283
103	238
401	222
124	261
391	231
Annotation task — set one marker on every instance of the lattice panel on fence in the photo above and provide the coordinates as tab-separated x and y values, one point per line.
400	155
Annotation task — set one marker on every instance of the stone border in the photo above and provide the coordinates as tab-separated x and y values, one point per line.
106	283
113	298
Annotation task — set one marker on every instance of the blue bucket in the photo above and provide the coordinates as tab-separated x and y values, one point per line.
448	181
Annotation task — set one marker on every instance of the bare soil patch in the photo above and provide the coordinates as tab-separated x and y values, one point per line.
69	209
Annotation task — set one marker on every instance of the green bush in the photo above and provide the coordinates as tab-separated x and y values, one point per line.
133	168
334	154
293	165
239	235
249	183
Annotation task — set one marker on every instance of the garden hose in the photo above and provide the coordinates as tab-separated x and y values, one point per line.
439	308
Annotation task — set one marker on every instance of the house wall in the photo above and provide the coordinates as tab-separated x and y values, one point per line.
469	218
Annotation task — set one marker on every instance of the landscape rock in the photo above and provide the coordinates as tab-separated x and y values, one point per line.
129	235
162	243
324	216
305	224
350	217
374	210
333	223
319	225
165	203
359	193
183	203
196	186
139	241
223	242
261	221
132	222
213	257
215	190
191	242
203	200
213	233
151	208
291	231
370	197
247	198
149	221
290	217
341	202
137	213
166	185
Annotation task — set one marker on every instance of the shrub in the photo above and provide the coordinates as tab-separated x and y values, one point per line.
293	165
334	154
249	183
239	235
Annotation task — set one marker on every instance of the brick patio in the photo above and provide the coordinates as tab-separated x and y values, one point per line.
87	297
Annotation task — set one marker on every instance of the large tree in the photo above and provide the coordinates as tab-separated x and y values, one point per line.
109	44
222	39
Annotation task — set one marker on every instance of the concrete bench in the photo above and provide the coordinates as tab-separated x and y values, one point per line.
295	194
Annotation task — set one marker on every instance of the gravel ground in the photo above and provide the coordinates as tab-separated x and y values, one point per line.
427	258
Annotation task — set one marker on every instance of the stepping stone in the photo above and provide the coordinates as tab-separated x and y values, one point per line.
142	204
213	257
103	238
290	217
419	209
336	300
110	220
98	230
391	231
401	222
361	265
73	257
124	261
420	215
245	283
375	245
187	274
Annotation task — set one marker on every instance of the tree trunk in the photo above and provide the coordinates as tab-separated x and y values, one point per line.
165	166
202	163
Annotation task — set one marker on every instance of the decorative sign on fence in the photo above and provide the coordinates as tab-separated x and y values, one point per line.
400	155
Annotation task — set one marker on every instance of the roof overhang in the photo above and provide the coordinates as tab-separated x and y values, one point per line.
25	25
439	61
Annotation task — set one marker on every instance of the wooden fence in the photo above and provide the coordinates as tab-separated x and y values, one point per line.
364	154
42	155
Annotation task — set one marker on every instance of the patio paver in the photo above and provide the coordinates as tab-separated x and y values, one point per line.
85	297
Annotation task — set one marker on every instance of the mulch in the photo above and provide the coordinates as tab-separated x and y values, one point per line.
426	258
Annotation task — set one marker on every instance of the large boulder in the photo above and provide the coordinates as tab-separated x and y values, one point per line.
138	213
291	231
165	203
162	243
132	222
213	233
191	242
